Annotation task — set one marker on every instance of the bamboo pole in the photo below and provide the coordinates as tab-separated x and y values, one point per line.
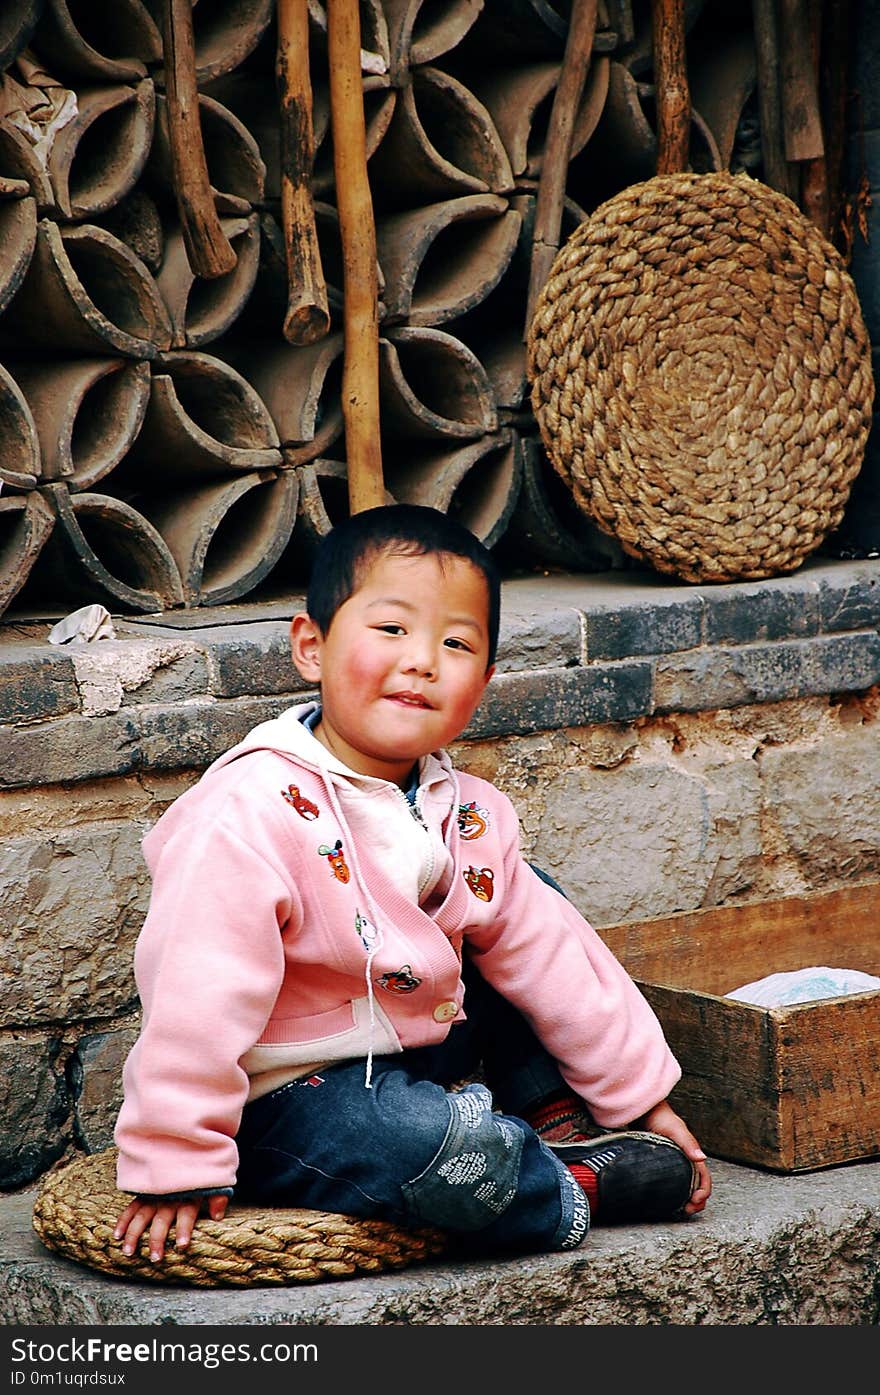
208	250
557	150
307	317
360	379
671	91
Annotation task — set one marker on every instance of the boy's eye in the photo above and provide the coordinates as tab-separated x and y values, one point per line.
454	643
391	629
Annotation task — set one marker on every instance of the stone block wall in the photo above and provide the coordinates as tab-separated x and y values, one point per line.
668	748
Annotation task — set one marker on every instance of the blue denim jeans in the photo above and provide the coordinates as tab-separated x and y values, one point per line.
411	1150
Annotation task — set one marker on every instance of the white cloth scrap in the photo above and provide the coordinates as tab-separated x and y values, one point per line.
804	986
88	623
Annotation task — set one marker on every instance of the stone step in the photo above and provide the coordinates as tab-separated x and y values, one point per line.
770	1250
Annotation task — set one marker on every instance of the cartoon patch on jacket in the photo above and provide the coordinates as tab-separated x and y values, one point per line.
480	882
336	856
303	806
401	980
366	931
473	820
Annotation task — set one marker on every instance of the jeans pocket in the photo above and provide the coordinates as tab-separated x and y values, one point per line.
473	1177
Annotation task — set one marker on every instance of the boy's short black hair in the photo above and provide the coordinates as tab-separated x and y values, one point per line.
409	529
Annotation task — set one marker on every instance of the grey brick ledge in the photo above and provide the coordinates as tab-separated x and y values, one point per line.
174	690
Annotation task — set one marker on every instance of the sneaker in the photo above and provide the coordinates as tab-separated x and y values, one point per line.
639	1176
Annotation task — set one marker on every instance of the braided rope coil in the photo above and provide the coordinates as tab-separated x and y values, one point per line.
701	376
76	1209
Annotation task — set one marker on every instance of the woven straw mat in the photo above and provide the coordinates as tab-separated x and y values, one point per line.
701	376
77	1207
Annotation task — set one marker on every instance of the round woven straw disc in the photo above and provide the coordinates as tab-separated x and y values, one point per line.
77	1208
701	376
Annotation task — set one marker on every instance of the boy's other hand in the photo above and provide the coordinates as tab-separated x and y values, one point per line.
663	1119
159	1217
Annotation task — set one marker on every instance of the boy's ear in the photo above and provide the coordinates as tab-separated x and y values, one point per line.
306	643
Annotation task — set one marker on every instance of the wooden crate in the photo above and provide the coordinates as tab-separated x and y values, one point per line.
788	1089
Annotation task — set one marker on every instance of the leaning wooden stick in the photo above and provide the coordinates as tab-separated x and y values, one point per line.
835	55
815	191
357	227
557	149
208	249
801	118
776	170
307	318
671	91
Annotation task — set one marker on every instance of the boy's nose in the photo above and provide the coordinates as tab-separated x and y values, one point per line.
421	658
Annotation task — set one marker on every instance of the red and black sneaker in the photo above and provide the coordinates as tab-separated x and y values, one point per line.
630	1176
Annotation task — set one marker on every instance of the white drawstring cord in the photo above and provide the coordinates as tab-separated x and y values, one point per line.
377	942
368	973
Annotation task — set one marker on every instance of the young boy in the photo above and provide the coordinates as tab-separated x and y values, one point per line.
320	899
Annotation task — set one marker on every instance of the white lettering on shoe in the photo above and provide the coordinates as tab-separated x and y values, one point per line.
580	1220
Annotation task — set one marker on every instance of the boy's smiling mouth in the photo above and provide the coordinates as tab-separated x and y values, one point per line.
408	699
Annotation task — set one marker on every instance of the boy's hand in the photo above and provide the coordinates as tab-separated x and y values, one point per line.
159	1217
663	1119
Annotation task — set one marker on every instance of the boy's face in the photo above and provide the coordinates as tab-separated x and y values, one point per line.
403	664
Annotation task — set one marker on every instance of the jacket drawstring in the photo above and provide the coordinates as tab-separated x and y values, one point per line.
377	942
368	971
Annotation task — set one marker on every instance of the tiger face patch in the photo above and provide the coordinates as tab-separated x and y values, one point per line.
473	821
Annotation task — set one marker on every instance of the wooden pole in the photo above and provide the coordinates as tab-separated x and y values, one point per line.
557	149
671	91
776	170
357	227
833	87
815	185
208	249
308	317
798	43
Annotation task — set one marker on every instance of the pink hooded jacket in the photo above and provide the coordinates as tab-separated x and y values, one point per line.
278	939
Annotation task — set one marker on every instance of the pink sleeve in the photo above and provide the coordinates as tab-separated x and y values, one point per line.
209	964
543	956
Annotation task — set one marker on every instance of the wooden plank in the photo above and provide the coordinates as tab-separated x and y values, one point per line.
829	1080
727	1093
722	947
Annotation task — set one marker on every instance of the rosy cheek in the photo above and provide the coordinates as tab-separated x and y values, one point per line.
363	666
468	700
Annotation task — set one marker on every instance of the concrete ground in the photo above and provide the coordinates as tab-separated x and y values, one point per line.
769	1250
